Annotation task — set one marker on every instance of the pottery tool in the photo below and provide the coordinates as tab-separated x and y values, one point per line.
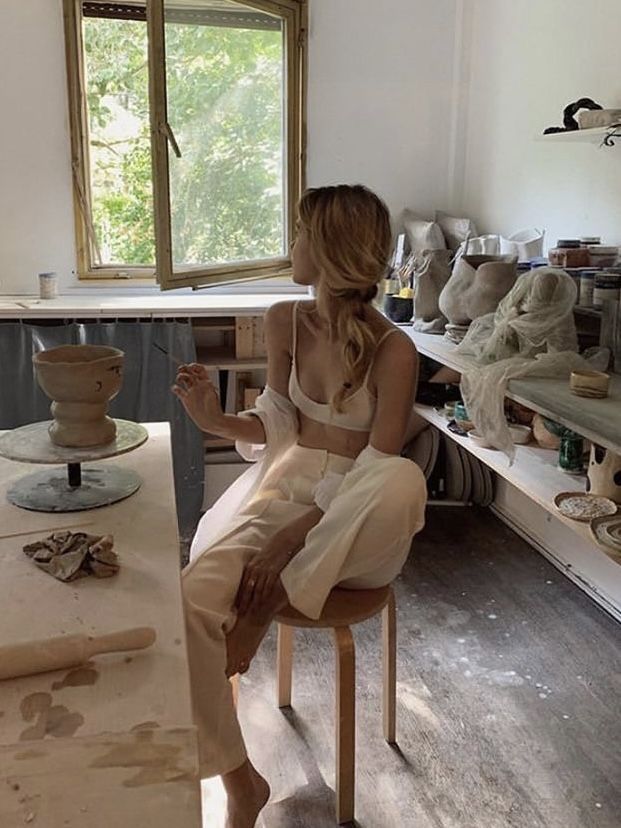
175	360
49	529
64	652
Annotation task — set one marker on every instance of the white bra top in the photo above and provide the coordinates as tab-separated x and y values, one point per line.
359	406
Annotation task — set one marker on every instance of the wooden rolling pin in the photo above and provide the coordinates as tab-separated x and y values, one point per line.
67	651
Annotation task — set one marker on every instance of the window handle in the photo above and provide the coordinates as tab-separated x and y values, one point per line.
166	129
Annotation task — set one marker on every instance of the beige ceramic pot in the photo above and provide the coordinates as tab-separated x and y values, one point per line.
81	380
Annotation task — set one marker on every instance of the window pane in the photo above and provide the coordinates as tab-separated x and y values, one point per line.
119	140
226	104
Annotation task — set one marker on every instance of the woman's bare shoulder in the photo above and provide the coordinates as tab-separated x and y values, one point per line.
398	346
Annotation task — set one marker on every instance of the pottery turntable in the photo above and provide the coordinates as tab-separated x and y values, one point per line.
80	380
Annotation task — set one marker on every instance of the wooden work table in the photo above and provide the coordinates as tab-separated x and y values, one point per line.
111	744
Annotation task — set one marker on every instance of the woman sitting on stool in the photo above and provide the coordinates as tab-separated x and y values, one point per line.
330	501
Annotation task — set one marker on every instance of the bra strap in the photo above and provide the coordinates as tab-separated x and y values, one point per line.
384	336
294	331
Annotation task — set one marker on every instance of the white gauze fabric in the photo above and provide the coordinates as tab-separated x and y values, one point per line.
532	334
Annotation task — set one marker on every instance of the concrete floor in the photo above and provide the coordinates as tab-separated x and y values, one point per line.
509	680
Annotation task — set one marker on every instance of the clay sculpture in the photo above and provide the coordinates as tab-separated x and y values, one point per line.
431	273
81	380
476	286
604	475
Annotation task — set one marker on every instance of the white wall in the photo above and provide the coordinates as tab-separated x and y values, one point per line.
523	62
379	100
36	212
380	97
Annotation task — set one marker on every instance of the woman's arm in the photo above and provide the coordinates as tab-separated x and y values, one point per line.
396	378
201	400
262	571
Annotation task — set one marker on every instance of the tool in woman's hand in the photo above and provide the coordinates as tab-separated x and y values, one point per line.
172	358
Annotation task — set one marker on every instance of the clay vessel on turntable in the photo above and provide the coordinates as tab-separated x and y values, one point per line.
81	380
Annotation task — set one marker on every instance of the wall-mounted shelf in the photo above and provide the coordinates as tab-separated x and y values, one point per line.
602	136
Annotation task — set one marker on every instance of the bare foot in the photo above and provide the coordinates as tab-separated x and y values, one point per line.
247	794
243	642
249	631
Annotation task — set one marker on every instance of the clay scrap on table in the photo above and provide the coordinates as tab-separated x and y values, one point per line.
71	555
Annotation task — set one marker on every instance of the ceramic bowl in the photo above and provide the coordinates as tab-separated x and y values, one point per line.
592	384
80	373
520	434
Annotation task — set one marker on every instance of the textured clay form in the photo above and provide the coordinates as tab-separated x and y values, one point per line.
476	286
81	380
604	473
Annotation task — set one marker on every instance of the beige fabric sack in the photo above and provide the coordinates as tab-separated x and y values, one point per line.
422	234
432	271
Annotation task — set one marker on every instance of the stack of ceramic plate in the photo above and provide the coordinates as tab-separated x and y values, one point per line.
423	450
607	531
466	478
482	490
455	333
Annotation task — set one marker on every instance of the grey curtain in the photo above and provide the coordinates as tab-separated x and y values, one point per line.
144	397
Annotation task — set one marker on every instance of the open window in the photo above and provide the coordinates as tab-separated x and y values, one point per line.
187	137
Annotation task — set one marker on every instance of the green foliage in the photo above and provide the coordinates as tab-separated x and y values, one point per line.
225	106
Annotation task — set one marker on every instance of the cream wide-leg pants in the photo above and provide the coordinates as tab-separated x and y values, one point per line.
361	542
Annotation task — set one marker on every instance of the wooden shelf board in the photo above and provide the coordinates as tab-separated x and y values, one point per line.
534	472
223	359
597	420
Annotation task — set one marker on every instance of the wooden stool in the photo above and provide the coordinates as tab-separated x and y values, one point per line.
343	608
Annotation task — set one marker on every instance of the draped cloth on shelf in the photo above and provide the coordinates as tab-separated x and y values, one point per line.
144	396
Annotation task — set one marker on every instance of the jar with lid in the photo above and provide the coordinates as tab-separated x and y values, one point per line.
571	451
600	256
607	286
569	253
587	286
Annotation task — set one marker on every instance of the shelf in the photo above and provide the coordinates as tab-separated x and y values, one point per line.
597	420
534	472
223	359
596	312
603	136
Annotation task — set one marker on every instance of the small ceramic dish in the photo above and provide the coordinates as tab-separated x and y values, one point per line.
520	434
592	384
478	439
584	507
607	530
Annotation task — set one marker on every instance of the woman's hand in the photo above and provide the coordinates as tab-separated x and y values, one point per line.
262	571
261	574
198	396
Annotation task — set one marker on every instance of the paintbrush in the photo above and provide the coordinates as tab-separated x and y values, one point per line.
172	358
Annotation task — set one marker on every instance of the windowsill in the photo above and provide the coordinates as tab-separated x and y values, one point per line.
153	304
120	287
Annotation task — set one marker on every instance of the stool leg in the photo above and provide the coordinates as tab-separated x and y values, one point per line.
284	664
389	659
345	724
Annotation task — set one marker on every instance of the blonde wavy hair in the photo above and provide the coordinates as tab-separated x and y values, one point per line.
350	238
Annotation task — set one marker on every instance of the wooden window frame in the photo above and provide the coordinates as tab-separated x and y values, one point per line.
295	16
